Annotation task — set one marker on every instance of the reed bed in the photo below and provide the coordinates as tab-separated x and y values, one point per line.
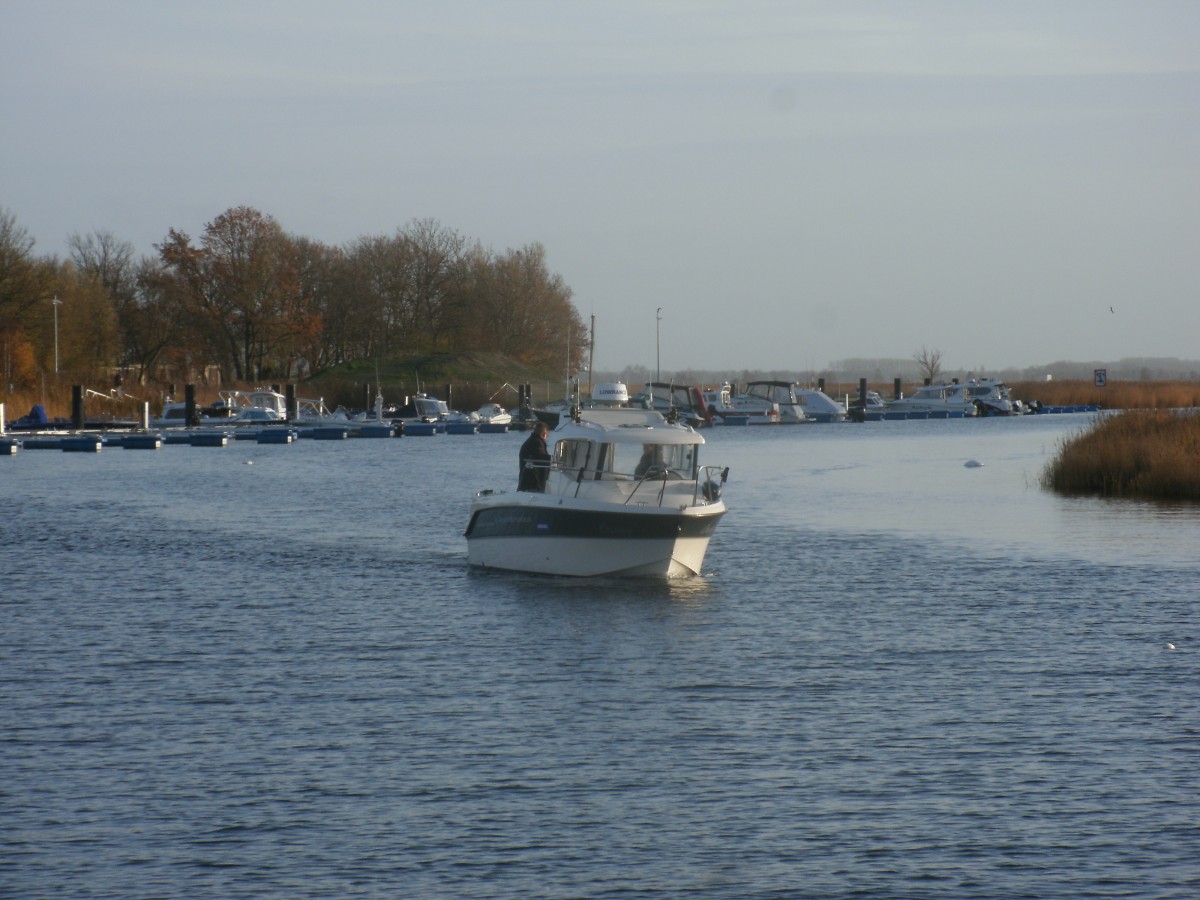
1114	395
1143	454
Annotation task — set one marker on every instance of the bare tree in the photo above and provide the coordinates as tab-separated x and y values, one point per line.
930	362
110	260
242	283
24	280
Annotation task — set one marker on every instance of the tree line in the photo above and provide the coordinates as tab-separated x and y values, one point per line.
252	302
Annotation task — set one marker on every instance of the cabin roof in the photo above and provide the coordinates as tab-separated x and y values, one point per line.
625	426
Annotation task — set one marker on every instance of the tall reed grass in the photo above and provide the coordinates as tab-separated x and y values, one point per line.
1114	395
1150	454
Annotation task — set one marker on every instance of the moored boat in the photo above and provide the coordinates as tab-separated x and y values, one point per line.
819	406
976	397
766	403
493	418
684	401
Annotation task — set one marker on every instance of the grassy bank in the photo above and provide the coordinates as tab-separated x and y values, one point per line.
1149	454
1114	395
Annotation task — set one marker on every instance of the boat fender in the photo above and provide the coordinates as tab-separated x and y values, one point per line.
712	491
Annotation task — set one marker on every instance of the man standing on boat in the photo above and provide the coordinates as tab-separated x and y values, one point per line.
535	461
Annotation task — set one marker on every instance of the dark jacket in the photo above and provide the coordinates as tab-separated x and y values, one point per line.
534	450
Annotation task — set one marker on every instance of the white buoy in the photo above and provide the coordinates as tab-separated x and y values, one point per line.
1170	646
973	464
249	462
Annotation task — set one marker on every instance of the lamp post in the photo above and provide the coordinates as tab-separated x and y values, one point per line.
57	303
657	351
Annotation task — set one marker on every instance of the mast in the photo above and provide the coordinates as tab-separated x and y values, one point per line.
591	354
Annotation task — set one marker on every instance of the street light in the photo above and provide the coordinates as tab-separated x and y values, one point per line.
57	304
657	353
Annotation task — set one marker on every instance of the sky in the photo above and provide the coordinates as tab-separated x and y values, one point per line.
741	185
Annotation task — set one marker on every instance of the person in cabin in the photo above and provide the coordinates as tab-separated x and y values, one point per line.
651	459
535	461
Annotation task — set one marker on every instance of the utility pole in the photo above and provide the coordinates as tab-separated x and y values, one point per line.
57	304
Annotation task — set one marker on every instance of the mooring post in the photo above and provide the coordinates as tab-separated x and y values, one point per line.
189	405
77	407
862	392
821	385
290	402
144	419
896	389
449	405
1	418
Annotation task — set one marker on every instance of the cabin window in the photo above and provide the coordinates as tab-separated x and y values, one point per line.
677	459
571	455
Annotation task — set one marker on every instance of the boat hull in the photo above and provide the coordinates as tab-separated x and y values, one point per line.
547	539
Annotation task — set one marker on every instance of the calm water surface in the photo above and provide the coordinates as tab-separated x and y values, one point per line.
266	671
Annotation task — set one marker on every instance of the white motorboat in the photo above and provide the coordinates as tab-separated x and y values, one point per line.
256	407
982	397
716	399
625	495
493	414
871	410
766	403
233	408
819	406
682	401
492	418
420	408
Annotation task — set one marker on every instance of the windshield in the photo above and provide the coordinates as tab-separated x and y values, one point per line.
651	460
627	460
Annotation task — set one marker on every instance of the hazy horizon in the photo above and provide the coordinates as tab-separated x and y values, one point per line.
792	184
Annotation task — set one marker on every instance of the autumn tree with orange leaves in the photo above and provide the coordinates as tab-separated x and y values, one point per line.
258	303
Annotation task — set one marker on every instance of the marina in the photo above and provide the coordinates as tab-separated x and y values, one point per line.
65	438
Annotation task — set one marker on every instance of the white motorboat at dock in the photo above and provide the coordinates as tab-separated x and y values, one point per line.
764	403
975	397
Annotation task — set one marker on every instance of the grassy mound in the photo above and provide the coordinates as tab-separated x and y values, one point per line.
1149	454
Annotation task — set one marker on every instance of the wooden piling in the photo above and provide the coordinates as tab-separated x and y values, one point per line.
77	407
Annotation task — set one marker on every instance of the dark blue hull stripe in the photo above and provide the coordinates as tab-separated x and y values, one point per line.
530	521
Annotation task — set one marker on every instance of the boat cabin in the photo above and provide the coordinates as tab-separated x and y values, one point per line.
595	460
621	455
